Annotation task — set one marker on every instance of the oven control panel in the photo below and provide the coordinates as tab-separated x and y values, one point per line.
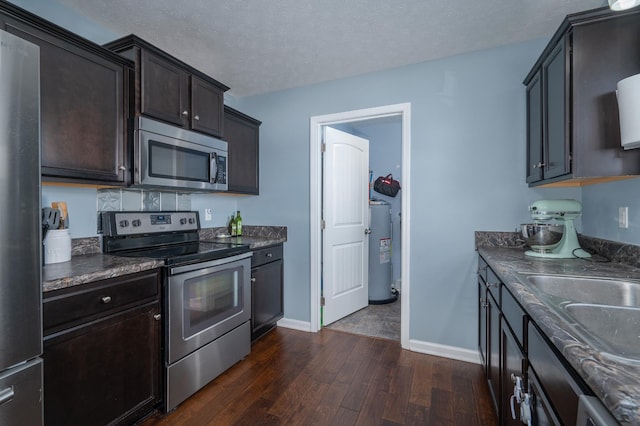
135	223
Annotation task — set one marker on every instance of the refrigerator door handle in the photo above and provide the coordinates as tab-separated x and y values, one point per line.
6	395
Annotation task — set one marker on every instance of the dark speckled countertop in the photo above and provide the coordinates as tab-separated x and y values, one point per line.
255	243
87	268
88	264
615	382
256	236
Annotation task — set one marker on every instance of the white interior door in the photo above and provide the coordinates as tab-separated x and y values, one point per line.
346	215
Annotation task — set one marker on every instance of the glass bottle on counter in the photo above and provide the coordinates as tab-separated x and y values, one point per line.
238	224
233	226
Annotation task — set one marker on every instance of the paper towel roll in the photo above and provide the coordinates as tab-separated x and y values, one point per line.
629	107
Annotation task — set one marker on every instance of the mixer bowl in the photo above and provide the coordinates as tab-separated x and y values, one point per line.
542	237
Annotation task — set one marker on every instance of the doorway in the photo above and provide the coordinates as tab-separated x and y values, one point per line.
352	118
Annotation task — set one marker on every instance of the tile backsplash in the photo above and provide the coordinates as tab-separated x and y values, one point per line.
142	200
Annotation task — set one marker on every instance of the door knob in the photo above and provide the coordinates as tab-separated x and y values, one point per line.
367	231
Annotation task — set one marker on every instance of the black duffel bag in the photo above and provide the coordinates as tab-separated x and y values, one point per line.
387	185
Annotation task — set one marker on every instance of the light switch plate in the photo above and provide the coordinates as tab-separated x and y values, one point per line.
208	214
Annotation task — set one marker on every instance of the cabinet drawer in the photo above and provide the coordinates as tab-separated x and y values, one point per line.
514	315
266	255
97	299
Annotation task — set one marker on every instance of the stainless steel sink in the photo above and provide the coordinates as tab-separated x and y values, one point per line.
616	330
600	291
606	312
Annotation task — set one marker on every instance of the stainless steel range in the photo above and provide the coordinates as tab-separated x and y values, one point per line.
206	294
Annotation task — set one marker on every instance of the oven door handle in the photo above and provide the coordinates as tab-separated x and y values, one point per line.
202	265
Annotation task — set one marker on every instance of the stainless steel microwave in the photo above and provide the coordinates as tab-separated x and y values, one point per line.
170	157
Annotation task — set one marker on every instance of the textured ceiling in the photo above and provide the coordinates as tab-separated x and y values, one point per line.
259	46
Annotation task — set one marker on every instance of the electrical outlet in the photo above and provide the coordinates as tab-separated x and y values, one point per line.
208	214
623	217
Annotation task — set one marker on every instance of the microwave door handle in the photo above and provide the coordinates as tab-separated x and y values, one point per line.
213	161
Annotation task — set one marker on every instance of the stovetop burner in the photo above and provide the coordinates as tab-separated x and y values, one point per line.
168	236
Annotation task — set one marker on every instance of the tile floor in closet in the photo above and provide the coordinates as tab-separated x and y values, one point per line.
374	320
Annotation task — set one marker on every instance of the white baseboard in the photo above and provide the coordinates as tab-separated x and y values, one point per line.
445	351
451	352
295	324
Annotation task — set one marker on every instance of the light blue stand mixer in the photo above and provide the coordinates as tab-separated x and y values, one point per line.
566	211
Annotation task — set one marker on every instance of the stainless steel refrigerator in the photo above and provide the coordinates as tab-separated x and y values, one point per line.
20	233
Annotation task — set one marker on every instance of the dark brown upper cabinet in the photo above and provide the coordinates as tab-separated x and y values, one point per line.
167	89
242	133
573	132
83	101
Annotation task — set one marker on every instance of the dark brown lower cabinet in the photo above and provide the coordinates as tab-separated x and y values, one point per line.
513	374
528	378
266	289
106	370
493	333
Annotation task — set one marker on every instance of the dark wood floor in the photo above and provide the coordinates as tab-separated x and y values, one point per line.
335	378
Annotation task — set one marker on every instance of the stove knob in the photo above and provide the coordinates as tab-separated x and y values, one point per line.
183	221
136	222
192	220
124	223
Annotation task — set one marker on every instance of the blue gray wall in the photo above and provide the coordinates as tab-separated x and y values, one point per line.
468	142
385	157
600	204
467	156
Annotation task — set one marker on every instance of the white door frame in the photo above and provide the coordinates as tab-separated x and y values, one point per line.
315	204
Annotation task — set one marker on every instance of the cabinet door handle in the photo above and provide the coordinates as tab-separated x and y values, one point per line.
253	280
157	317
6	395
493	285
106	299
269	254
538	166
185	113
367	231
197	117
122	168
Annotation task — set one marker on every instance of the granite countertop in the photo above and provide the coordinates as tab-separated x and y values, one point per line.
254	242
87	268
256	236
615	382
88	264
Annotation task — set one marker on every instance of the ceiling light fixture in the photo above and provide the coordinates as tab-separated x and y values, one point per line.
623	4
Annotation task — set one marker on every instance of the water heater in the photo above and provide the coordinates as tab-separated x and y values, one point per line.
629	106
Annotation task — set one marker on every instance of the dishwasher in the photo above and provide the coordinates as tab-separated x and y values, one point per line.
557	397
